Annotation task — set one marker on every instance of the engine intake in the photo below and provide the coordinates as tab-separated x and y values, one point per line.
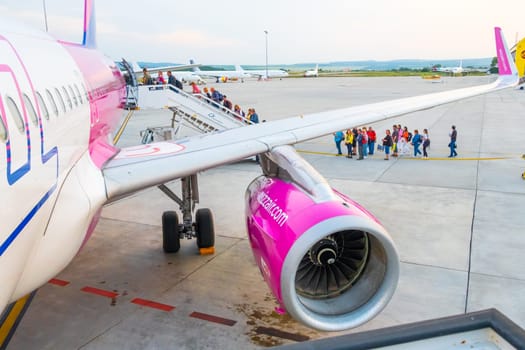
332	265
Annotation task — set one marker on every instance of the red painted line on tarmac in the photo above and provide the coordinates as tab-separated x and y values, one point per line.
58	282
212	318
100	292
152	304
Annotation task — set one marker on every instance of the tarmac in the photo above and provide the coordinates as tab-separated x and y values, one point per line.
458	224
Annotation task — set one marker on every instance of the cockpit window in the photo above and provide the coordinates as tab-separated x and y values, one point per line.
15	112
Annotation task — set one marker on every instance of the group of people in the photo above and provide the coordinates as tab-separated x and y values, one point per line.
402	139
361	142
220	100
160	80
213	95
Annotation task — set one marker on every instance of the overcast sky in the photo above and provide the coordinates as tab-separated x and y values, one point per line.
232	31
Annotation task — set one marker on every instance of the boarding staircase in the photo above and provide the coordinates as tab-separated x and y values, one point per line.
198	111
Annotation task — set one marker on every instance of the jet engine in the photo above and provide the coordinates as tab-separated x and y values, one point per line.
326	259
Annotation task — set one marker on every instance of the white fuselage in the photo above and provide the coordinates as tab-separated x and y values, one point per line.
50	187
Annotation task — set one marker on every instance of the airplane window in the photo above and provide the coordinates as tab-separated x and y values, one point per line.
3	130
52	101
73	95
30	110
68	98
78	93
61	100
15	112
43	107
85	92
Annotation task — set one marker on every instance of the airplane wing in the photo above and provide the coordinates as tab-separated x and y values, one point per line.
136	168
180	67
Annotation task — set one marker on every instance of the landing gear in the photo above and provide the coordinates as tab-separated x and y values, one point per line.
170	232
202	228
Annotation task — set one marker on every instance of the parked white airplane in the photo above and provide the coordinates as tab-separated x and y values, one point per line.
222	75
453	70
312	72
59	103
263	73
177	70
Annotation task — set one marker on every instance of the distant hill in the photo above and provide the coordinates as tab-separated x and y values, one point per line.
350	65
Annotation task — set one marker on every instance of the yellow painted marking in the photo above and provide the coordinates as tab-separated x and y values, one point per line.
122	127
459	158
321	153
11	319
408	157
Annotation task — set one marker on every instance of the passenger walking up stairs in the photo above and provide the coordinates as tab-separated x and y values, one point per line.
197	111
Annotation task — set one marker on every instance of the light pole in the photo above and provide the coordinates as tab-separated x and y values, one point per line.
266	37
45	13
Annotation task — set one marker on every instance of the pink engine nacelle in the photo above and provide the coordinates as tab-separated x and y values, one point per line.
330	264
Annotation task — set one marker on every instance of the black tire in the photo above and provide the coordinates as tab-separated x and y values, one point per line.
204	228
170	232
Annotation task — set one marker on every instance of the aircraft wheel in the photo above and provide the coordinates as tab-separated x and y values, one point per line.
170	232
204	228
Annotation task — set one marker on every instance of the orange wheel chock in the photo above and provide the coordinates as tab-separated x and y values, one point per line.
207	251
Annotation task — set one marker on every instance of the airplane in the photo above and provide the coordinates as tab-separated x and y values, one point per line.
177	70
263	73
312	72
60	103
222	75
458	70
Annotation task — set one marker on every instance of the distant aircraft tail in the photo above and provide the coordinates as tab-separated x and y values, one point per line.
505	66
238	68
90	28
195	69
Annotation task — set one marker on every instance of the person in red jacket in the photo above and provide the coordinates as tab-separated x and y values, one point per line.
371	140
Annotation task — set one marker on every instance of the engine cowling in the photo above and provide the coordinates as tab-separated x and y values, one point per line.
329	263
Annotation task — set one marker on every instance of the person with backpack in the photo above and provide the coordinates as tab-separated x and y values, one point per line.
338	138
217	97
174	82
227	103
387	143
